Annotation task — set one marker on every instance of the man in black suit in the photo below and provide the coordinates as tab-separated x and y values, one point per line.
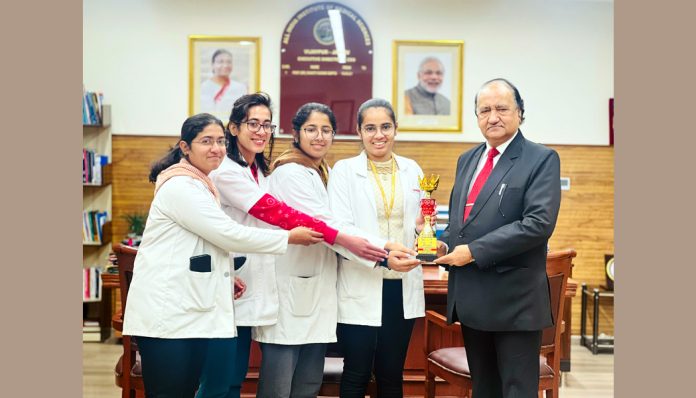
503	209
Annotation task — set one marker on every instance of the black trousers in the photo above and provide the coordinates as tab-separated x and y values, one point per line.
171	367
383	348
503	364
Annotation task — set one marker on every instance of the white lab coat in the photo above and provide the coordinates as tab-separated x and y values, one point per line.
306	275
351	192
168	300
238	194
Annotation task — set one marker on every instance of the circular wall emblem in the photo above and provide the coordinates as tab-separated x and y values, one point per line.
323	32
610	269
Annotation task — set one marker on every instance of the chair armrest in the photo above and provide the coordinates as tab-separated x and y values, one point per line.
440	321
438	334
117	321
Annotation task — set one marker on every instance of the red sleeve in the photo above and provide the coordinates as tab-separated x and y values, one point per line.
275	212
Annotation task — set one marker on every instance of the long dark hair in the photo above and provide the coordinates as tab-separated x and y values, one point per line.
239	114
189	131
302	115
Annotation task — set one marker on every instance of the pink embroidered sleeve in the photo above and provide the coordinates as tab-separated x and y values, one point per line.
275	212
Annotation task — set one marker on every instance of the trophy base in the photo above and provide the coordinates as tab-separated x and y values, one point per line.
426	258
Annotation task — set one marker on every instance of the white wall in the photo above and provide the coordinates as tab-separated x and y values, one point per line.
559	53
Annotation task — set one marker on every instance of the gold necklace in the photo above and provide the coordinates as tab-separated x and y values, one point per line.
387	209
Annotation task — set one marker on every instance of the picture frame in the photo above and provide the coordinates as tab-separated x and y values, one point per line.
427	85
221	69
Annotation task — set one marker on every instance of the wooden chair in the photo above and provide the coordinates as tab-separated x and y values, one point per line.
333	369
130	381
446	357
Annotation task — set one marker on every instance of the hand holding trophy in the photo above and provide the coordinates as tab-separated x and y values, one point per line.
427	242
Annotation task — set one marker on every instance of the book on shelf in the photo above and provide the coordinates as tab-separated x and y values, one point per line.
91	284
91	336
90	326
92	108
93	225
92	165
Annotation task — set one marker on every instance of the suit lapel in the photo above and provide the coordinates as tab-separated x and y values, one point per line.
502	167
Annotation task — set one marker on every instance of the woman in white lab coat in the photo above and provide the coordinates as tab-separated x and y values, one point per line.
293	349
378	192
181	293
242	182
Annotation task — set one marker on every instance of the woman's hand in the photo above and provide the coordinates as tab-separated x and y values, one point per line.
402	261
361	247
239	287
304	236
399	247
420	221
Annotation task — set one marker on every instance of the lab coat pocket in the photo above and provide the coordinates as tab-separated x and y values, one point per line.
304	295
354	279
200	292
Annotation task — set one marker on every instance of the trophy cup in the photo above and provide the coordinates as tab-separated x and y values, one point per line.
427	242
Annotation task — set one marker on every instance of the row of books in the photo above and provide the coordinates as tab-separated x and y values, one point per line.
92	164
92	111
91	284
92	225
91	331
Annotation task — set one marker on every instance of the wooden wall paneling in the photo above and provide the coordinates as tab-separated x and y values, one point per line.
585	222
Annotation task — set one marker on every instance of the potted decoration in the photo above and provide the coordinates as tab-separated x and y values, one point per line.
136	226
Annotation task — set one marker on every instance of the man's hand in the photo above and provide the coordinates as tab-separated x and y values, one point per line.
402	261
441	248
461	255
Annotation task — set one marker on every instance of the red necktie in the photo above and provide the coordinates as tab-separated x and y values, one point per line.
480	181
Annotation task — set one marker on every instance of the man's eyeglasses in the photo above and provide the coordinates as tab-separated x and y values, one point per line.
371	129
485	112
313	132
254	126
209	141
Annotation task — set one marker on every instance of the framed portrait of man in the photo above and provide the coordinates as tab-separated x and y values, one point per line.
427	85
221	69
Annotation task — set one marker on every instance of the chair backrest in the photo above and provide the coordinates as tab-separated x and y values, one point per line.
126	260
558	266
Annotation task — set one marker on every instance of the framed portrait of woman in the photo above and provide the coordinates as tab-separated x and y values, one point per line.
221	69
427	85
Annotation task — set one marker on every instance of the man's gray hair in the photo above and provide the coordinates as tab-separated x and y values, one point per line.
430	59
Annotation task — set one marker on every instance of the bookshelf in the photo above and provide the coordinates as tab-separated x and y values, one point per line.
96	221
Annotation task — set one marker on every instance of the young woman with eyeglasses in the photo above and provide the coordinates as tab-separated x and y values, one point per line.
180	296
293	348
242	180
378	192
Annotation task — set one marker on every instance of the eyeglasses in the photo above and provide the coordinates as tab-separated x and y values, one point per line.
209	141
313	132
371	129
254	126
485	112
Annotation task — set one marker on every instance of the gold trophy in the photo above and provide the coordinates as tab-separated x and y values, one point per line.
427	242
